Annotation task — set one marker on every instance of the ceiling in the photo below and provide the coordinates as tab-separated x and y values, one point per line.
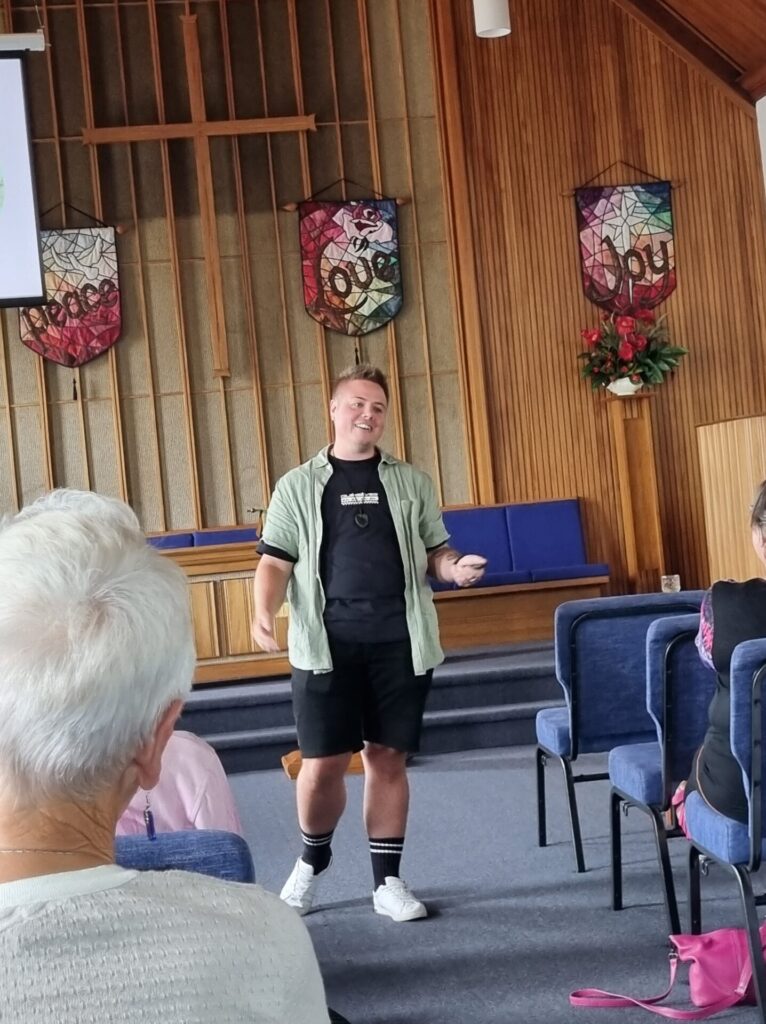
728	37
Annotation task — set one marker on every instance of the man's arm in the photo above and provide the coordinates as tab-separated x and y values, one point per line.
271	579
449	566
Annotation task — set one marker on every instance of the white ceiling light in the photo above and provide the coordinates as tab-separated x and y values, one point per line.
492	18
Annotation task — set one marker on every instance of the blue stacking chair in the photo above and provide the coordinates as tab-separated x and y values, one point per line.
206	851
679	687
719	839
600	652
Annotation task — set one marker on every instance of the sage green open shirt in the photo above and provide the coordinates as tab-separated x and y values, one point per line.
294	524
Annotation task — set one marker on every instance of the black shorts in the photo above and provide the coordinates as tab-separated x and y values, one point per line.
372	694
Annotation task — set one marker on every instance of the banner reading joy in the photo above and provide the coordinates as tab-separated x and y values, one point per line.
626	245
81	318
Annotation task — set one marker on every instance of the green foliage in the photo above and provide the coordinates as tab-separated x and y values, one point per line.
628	346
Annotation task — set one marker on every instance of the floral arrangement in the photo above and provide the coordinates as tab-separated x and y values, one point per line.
633	347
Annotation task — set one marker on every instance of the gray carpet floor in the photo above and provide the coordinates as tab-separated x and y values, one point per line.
512	928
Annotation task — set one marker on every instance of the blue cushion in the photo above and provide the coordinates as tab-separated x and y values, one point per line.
636	770
234	535
552	729
166	541
480	531
723	837
545	534
570	572
206	851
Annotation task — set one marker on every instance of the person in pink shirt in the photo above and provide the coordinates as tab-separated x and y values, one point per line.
193	792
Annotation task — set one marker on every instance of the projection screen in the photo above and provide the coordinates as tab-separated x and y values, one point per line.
22	282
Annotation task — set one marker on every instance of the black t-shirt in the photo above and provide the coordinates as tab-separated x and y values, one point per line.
359	561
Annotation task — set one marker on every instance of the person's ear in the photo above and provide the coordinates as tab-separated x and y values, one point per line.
148	759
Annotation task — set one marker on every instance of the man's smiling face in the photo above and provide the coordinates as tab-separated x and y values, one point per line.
358	412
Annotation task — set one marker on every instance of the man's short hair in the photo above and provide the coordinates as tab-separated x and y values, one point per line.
363	371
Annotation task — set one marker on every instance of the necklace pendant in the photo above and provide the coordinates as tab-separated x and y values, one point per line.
361	519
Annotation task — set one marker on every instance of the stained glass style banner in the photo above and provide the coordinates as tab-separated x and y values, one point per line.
351	272
82	317
626	245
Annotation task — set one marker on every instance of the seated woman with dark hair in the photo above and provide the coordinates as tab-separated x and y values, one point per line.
96	658
731	613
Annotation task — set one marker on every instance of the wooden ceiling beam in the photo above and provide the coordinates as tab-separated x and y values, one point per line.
754	83
686	41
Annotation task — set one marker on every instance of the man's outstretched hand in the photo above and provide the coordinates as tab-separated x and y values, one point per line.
468	569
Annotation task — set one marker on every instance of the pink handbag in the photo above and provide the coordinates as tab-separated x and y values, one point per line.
720	976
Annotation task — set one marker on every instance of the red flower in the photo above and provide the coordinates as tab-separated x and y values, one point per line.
590	337
635	378
640	342
625	351
625	324
648	316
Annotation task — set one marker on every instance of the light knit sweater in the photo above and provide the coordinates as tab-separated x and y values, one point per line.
110	946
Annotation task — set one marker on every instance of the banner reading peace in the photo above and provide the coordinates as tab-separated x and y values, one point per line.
81	318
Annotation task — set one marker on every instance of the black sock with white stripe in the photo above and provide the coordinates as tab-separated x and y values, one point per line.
316	850
386	855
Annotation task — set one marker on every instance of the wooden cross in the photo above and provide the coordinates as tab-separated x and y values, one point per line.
200	130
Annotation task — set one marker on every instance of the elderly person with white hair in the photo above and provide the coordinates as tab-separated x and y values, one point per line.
96	657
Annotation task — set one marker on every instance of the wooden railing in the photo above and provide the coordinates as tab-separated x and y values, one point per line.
221	589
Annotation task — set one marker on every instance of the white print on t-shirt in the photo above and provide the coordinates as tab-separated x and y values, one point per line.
361	498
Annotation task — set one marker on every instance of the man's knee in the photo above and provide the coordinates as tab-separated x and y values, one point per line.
322	771
384	761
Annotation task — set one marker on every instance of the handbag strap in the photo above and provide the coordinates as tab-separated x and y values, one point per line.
596	997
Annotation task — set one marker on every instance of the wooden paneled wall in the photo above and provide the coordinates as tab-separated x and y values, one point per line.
152	421
733	464
578	92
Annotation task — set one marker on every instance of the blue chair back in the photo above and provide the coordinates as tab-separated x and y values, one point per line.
481	531
679	687
600	652
208	852
747	732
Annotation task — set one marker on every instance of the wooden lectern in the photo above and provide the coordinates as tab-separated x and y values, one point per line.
631	420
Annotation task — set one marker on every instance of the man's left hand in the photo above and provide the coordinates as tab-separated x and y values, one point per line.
468	570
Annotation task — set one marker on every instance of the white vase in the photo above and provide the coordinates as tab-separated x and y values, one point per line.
624	386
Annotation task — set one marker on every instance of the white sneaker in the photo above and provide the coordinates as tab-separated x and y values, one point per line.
395	900
301	887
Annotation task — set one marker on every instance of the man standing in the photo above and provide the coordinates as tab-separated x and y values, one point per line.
349	538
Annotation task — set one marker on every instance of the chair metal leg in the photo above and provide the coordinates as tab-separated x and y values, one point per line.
615	831
695	904
753	937
661	839
542	839
574	817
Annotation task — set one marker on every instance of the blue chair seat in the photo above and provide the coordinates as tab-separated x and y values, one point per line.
570	572
636	770
206	851
552	728
724	837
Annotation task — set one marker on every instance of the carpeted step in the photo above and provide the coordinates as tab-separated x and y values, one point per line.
500	725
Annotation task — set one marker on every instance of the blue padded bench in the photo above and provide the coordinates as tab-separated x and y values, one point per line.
204	538
532	543
169	541
232	535
546	539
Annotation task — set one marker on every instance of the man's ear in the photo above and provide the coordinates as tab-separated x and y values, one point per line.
148	760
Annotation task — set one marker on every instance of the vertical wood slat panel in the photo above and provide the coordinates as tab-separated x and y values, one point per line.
161	512
191	447
544	110
732	458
